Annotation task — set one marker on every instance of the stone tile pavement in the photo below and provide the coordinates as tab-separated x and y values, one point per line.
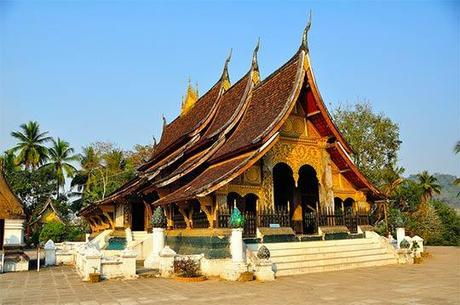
435	281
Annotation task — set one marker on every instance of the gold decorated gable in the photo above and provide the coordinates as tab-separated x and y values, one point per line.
10	205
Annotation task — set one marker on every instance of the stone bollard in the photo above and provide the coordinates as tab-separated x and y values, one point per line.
166	262
264	266
50	253
128	259
153	260
400	235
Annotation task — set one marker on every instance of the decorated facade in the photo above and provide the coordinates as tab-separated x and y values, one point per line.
267	146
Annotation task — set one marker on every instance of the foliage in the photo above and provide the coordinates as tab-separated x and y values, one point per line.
237	219
32	187
140	154
75	233
60	155
104	168
30	147
449	189
429	185
373	137
186	267
53	230
450	224
407	196
425	223
158	218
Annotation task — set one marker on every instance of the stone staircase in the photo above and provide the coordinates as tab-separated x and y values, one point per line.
332	255
139	235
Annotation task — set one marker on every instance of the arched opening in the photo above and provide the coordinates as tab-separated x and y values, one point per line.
2	230
138	216
283	185
308	188
308	192
338	205
348	206
250	203
235	199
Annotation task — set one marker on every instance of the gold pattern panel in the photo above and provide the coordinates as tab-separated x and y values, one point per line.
252	175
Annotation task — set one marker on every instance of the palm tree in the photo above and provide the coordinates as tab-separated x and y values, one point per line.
60	156
457	147
429	185
32	152
8	162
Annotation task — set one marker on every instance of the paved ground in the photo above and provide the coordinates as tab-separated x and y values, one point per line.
435	281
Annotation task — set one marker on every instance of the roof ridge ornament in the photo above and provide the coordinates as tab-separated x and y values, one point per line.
255	64
225	78
304	45
164	121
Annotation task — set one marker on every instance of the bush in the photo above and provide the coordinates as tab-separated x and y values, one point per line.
186	267
53	230
450	225
425	223
75	234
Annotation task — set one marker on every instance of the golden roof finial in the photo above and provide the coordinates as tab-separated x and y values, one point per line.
255	64
190	98
225	77
304	44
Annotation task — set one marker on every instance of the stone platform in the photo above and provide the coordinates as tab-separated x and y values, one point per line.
435	281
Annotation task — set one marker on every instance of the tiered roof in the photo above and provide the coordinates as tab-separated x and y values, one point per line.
229	129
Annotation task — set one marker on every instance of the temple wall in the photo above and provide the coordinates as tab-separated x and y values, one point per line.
299	144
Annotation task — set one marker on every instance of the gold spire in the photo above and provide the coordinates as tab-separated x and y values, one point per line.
225	77
255	64
190	98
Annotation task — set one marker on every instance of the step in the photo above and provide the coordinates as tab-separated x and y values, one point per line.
318	250
336	267
331	261
320	243
328	255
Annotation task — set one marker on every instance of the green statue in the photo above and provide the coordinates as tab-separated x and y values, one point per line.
237	220
158	218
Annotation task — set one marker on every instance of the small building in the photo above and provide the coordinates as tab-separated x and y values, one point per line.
267	146
12	219
47	214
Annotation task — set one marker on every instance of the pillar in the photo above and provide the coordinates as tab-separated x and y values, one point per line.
158	236
236	245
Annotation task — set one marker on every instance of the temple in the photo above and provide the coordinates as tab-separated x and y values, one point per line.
267	146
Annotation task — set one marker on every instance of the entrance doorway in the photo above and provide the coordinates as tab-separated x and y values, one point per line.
138	216
308	189
2	232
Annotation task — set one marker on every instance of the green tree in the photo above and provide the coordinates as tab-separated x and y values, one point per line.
53	230
450	220
104	168
457	151
30	148
429	185
373	137
32	187
60	156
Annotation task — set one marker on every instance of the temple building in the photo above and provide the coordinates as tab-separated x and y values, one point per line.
267	146
12	218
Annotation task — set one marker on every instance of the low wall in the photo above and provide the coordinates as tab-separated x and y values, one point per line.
212	243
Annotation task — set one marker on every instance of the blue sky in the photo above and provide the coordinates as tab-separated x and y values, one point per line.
108	70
